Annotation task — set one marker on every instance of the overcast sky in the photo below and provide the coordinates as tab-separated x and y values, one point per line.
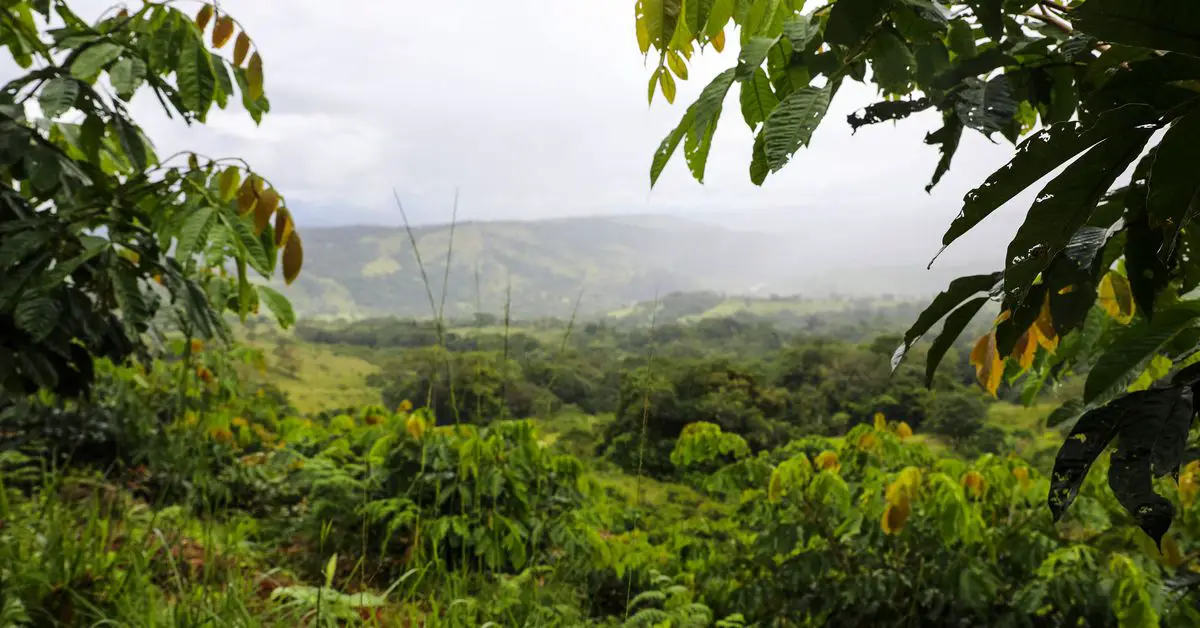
537	108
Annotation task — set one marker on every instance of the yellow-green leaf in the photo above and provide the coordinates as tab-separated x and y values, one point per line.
254	77
718	41
643	35
653	83
1116	297
667	83
223	31
677	65
264	209
241	48
293	258
227	183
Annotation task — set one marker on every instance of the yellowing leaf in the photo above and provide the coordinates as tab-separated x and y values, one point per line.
975	483
867	441
293	258
247	195
903	430
227	183
283	226
222	31
827	461
1003	316
880	421
718	41
415	427
241	48
775	487
643	34
894	518
1026	348
254	77
1047	337
989	368
1023	477
264	209
1189	483
1116	297
203	16
675	62
653	83
667	83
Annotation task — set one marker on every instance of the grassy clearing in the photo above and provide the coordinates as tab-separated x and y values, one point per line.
318	377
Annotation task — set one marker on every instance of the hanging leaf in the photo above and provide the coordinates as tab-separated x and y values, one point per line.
851	21
1147	262
758	99
293	258
196	77
988	363
800	30
887	110
131	142
264	209
718	41
718	17
222	32
947	138
247	195
37	314
955	323
990	14
1088	439
254	77
279	306
954	295
667	83
790	126
753	53
1116	298
1065	205
986	107
1026	349
1151	442
283	226
1124	359
227	183
241	48
58	95
758	160
203	16
1174	187
95	58
1155	24
668	146
892	63
247	243
677	65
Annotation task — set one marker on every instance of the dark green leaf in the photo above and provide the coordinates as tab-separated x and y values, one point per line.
131	142
1149	271
1124	359
851	21
986	107
718	17
1174	186
279	306
800	30
1155	24
134	309
792	123
990	14
758	100
127	75
196	77
668	146
955	323
37	314
1088	439
250	249
92	60
58	96
705	114
932	60
958	291
892	63
961	40
973	66
947	138
1152	440
1065	205
15	247
758	161
887	110
193	232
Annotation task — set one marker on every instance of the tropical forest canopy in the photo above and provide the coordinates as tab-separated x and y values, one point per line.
700	468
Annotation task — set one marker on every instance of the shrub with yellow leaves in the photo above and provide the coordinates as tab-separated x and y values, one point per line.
899	496
903	430
827	461
415	426
975	483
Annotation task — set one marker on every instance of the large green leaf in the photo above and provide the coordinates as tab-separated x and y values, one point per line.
990	14
193	232
792	123
705	113
800	30
718	16
134	309
667	147
1154	24
196	77
752	55
758	99
886	110
986	107
1152	440
893	64
127	75
1174	186
278	304
1035	158
92	60
1065	205
37	314
1125	358
758	160
851	21
1149	272
958	291
947	139
249	247
955	323
131	142
58	96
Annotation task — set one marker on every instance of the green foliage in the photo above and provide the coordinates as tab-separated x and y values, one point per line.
1089	111
92	218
